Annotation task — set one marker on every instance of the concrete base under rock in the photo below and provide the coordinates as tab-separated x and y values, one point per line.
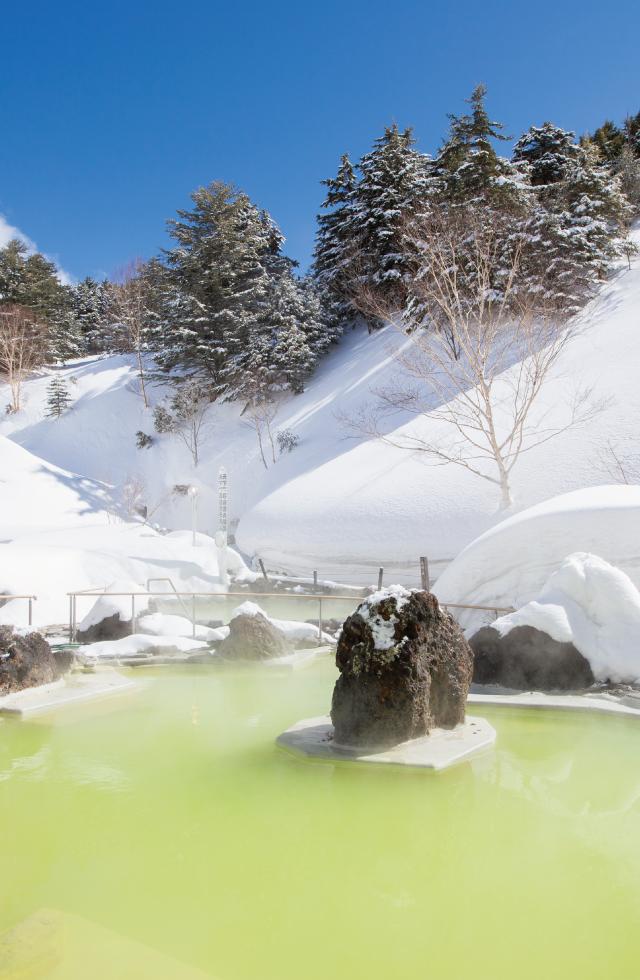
443	747
72	689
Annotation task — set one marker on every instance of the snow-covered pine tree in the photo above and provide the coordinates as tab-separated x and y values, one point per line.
219	277
632	132
89	299
32	281
336	245
394	184
292	358
574	231
58	397
608	139
467	167
627	167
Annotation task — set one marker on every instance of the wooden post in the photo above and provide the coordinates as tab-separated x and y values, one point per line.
380	575
315	578
424	574
263	570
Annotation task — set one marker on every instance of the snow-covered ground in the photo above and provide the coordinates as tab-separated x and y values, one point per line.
340	504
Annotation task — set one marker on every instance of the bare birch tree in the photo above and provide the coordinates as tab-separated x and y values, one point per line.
483	339
23	345
130	307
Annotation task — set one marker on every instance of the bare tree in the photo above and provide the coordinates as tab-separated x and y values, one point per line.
189	418
130	307
476	312
23	343
259	416
621	463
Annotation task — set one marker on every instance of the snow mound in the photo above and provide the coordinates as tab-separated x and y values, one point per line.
159	624
132	646
596	607
295	631
108	605
510	564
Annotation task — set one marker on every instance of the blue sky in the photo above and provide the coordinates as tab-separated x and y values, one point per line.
112	113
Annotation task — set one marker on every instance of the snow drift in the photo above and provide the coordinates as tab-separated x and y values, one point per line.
509	565
596	607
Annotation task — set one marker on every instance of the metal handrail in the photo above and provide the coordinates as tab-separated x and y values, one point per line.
496	610
31	599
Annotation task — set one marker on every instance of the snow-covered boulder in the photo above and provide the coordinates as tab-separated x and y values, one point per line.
510	564
588	607
301	635
528	659
252	636
405	668
110	617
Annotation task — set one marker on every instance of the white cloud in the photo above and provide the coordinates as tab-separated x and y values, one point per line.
7	232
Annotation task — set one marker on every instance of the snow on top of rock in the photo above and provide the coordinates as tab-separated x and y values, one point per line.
596	607
383	630
108	605
294	630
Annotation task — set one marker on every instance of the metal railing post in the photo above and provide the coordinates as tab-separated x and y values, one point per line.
380	575
320	622
30	610
74	630
193	616
133	613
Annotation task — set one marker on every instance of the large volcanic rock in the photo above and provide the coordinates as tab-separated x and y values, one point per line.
27	661
527	659
405	668
253	637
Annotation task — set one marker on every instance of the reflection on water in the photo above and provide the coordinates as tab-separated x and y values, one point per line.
170	831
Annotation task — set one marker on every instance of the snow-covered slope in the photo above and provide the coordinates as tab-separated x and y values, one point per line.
336	502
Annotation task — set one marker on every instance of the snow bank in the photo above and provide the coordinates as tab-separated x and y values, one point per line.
510	564
159	624
596	607
115	605
132	646
295	631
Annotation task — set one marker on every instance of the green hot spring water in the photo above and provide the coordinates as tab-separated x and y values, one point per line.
162	834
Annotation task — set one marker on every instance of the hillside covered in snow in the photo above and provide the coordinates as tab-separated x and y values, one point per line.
336	502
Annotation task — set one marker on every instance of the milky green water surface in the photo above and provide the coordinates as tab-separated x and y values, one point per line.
167	823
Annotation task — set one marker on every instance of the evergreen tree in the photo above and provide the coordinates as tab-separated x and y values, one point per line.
393	185
468	168
219	275
90	300
632	132
608	140
32	281
336	245
574	231
58	397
